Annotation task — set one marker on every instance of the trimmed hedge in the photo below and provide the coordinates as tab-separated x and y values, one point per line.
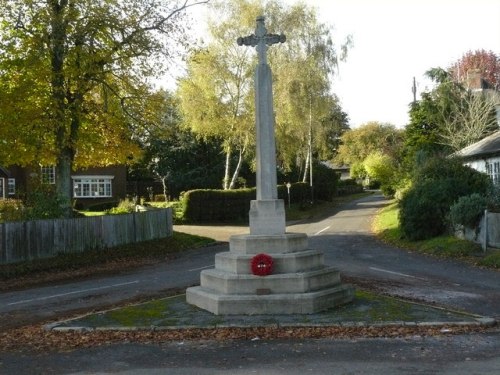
216	205
207	205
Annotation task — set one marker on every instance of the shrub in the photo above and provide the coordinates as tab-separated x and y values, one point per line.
324	182
423	210
42	202
300	192
125	206
493	198
216	205
11	210
436	186
467	211
348	186
402	189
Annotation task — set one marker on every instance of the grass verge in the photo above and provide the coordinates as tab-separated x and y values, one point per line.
110	258
174	312
386	226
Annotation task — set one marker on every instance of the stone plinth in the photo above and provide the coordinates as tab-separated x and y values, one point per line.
252	304
255	244
267	217
300	282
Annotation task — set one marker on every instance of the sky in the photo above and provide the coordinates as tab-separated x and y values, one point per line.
396	40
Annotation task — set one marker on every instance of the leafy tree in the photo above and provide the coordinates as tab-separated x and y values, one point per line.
381	167
486	63
427	116
450	117
172	154
76	73
357	144
309	118
217	92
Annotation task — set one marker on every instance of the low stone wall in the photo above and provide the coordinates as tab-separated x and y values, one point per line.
487	233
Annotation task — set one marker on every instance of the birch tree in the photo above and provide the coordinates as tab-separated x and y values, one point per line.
217	92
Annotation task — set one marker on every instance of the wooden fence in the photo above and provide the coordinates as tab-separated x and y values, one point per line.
28	240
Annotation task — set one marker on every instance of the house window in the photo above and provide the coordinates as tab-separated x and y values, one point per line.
493	170
92	186
48	174
2	189
11	186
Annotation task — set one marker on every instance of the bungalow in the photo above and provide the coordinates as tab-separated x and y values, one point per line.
484	156
91	186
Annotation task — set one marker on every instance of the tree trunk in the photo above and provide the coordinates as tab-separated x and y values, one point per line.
227	171
63	181
237	171
64	159
306	168
163	180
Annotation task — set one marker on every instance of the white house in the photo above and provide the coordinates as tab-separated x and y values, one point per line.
484	156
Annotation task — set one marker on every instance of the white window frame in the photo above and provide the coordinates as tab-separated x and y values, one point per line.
493	170
92	186
48	174
11	186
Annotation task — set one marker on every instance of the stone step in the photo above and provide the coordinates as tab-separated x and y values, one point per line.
301	282
269	244
283	263
294	303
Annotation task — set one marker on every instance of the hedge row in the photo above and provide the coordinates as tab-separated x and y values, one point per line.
226	205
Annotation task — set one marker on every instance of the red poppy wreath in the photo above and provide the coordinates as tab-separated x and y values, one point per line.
262	265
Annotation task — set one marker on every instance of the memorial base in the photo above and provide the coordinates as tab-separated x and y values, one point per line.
300	282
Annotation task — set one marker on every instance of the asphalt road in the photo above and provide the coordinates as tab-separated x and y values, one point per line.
345	238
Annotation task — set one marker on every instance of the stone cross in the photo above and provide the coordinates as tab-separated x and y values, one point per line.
264	113
261	39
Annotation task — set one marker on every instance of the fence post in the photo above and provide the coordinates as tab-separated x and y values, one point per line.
485	240
3	244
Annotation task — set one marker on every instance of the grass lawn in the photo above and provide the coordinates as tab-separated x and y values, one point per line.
386	226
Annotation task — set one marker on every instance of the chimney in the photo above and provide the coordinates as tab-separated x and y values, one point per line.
474	81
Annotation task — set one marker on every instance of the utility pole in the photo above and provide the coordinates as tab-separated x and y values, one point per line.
414	91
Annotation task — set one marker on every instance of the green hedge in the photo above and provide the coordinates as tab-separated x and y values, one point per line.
206	205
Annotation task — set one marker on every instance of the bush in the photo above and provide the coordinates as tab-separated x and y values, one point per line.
206	205
324	182
125	206
424	209
468	210
216	205
348	186
436	186
11	210
493	198
300	193
43	203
